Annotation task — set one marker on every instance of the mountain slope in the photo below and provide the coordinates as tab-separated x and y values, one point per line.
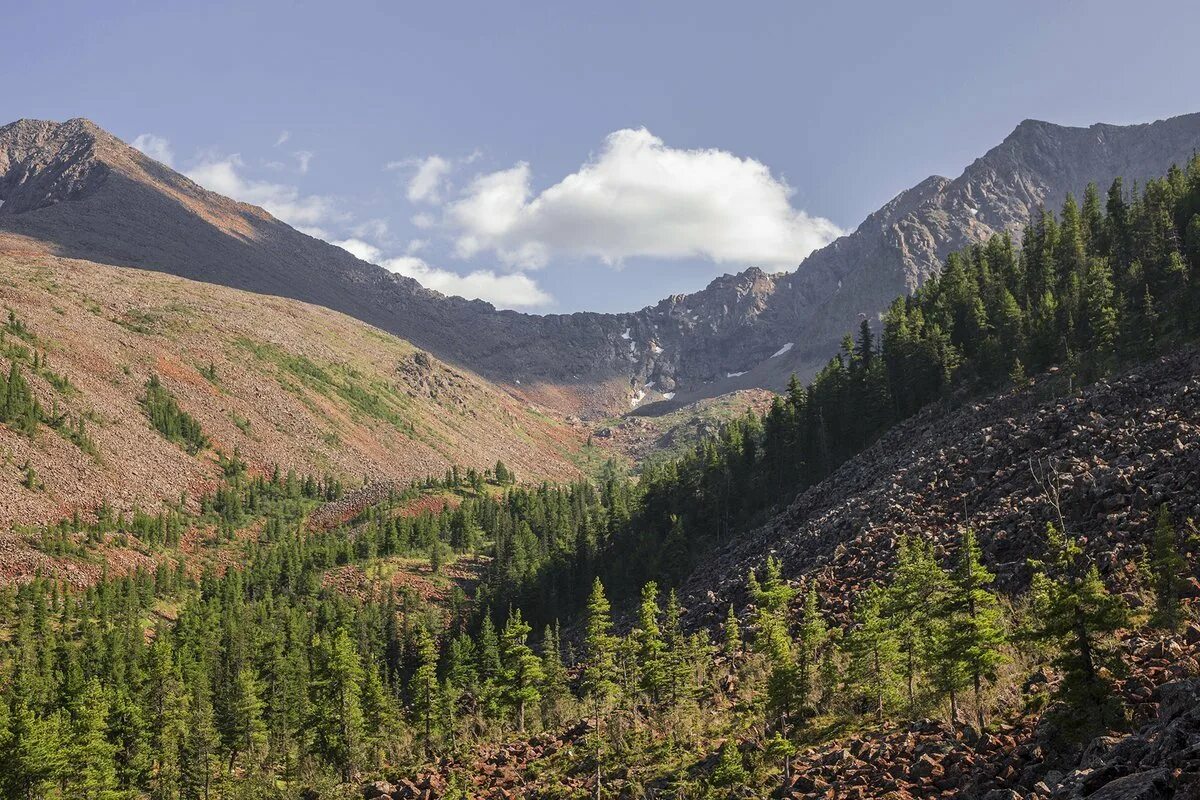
75	190
1113	453
281	381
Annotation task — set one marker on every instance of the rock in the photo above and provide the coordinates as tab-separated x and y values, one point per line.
1151	785
377	790
1178	698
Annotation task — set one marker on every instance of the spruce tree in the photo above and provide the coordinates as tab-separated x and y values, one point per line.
913	605
555	685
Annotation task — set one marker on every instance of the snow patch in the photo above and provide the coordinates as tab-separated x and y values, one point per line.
649	385
626	334
972	211
637	398
669	395
734	374
655	349
782	350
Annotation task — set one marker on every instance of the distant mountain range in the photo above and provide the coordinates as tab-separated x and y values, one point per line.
74	190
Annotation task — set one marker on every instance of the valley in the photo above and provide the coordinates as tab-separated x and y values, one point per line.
280	524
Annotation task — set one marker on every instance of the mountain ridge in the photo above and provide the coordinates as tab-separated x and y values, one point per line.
78	191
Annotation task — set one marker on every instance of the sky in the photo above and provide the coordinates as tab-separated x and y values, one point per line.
553	157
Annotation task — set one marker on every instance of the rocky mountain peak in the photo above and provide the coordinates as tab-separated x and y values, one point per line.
78	191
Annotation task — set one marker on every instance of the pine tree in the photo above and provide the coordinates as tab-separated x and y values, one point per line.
34	752
127	728
913	605
1166	566
729	772
732	644
247	731
199	753
555	688
378	714
678	669
1074	612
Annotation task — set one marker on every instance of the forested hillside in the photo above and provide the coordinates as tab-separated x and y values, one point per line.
229	666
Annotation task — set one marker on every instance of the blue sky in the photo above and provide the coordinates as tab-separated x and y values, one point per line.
565	156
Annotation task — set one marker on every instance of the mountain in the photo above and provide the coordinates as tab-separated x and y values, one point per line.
74	190
277	381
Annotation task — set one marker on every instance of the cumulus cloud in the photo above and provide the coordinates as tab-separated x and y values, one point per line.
304	212
514	290
156	147
639	197
283	137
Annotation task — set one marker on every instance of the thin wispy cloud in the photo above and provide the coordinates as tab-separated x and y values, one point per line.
225	175
511	290
157	147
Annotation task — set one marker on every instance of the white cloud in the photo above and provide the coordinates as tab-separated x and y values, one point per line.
505	291
303	159
156	147
639	197
423	221
283	137
428	179
304	212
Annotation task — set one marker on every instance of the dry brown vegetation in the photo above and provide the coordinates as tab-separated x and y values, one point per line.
281	381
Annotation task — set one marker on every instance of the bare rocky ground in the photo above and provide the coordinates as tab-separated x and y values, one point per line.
1111	454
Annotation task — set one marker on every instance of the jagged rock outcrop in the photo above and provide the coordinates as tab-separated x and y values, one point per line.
76	190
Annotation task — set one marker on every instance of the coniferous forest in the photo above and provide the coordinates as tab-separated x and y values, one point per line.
254	677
